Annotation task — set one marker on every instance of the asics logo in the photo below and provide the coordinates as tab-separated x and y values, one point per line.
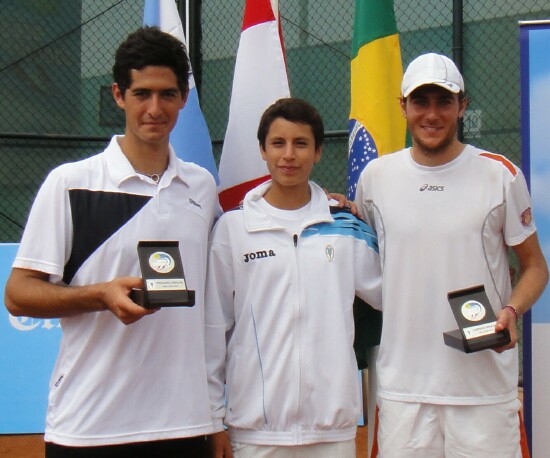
429	187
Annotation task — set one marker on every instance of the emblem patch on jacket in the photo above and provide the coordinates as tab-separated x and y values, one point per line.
329	251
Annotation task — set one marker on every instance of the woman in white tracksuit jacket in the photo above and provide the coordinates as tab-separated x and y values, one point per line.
279	318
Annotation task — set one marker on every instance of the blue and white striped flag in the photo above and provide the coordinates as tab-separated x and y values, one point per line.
190	137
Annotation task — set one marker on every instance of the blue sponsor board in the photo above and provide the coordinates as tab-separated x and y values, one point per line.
537	138
29	348
535	99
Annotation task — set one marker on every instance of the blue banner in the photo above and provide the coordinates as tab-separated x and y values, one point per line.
535	99
29	348
536	138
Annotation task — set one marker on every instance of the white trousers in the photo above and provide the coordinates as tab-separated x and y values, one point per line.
345	449
412	430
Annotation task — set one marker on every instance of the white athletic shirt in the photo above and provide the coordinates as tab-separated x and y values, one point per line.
114	383
291	220
442	229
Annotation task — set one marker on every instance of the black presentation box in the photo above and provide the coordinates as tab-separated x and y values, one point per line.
476	320
163	276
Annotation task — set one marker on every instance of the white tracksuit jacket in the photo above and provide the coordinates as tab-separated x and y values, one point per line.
279	322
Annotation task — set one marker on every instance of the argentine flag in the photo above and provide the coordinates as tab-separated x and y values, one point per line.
190	137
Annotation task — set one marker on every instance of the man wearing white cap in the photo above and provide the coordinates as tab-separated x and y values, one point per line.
445	214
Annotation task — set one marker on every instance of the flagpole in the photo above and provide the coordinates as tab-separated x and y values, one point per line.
190	14
186	29
458	47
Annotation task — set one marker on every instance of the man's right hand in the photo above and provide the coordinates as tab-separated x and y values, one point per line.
30	293
117	300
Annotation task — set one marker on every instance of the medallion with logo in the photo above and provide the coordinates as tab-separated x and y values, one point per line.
473	310
161	262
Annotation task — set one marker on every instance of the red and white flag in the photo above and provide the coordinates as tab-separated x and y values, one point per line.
260	79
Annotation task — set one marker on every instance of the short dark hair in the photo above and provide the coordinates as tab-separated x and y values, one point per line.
294	110
150	46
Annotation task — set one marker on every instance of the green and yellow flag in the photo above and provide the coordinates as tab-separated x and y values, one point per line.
376	124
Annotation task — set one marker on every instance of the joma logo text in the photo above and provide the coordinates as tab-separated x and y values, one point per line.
429	187
258	255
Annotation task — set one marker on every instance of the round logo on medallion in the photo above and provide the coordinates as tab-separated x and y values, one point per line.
161	262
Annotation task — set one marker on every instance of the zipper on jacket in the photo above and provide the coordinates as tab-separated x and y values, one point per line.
298	334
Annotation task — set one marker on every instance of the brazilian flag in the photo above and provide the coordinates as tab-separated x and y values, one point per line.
376	124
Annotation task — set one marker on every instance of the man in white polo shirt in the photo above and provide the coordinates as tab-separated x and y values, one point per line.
445	214
128	381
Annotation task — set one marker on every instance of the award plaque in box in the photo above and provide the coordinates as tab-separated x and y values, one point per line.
476	321
162	272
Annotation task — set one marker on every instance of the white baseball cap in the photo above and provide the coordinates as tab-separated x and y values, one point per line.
435	69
